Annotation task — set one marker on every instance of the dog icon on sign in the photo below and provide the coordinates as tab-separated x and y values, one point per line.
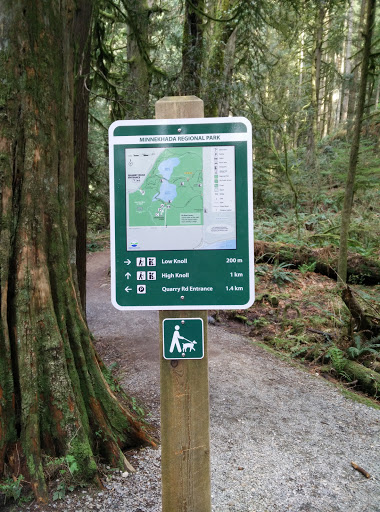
177	345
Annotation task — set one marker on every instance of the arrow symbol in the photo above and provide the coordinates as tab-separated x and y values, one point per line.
128	289
128	275
128	262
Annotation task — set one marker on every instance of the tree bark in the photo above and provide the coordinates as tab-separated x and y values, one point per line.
355	143
139	72
82	36
368	379
192	48
377	97
220	63
54	398
363	322
347	64
311	160
354	84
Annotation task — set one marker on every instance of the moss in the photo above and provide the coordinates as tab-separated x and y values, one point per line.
82	453
368	380
355	397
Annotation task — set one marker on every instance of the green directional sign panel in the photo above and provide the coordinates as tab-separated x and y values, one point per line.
181	214
183	338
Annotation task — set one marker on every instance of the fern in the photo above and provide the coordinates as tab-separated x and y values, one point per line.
360	349
280	275
338	359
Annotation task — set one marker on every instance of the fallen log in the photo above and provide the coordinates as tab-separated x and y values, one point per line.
364	270
374	365
368	380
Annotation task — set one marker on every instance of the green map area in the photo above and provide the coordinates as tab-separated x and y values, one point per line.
172	192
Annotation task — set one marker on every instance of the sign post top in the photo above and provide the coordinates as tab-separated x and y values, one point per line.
179	106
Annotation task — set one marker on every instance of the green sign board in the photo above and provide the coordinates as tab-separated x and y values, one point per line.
183	338
181	214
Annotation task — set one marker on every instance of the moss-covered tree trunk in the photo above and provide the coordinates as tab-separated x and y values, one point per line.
53	396
82	39
221	59
139	66
313	109
192	48
355	142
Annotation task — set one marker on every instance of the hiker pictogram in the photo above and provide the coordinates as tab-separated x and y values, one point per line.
176	344
183	338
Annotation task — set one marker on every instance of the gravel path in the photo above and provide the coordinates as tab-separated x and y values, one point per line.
281	439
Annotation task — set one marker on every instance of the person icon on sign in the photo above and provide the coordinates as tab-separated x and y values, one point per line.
175	340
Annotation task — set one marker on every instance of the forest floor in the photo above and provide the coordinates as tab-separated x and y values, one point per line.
282	437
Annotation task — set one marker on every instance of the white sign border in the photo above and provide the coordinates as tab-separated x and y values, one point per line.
243	136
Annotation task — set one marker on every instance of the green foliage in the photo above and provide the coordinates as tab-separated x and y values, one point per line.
337	357
280	276
138	410
277	272
320	202
71	464
11	488
338	361
61	491
307	267
111	381
363	348
94	247
260	322
66	468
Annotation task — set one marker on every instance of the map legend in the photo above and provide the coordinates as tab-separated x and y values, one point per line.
224	179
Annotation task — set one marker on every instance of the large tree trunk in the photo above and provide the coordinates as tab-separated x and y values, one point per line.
139	66
192	48
355	143
347	64
313	110
82	32
221	60
354	83
53	395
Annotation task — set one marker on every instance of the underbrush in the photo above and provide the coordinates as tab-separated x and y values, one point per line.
314	219
301	315
98	240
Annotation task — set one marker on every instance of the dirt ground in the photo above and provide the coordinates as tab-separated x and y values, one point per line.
287	425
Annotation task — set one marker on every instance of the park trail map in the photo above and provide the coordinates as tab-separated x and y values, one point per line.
171	194
180	198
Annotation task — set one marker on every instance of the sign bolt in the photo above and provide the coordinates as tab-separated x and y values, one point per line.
182	321
182	297
179	130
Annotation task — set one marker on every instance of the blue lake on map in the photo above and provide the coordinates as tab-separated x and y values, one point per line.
168	191
166	167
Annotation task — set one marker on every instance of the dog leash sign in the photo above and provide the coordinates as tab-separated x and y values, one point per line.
183	338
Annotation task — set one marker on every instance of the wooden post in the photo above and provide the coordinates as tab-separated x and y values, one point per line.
185	424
